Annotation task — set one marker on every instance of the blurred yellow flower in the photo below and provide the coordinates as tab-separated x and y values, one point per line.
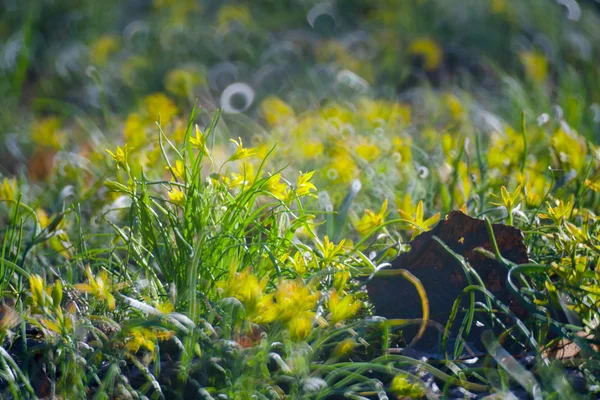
404	389
178	169
371	220
454	105
368	151
230	13
245	178
102	48
182	81
341	169
276	111
301	325
341	309
134	131
141	338
7	189
158	105
535	64
430	51
99	286
199	141
47	132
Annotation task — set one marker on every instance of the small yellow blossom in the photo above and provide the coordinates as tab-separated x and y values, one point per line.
404	389
158	104
245	178
182	81
177	196
418	220
371	220
330	250
368	151
342	309
301	325
47	132
8	189
134	131
276	111
141	338
429	50
99	286
178	169
304	186
274	186
561	211
240	151
535	64
120	156
102	48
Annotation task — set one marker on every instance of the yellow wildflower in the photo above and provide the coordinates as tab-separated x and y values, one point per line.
177	196
371	220
559	212
246	178
158	104
37	287
141	338
418	220
178	169
341	309
368	151
277	188
182	81
99	286
404	389
300	326
330	250
240	151
429	50
47	132
230	13
8	189
276	111
535	64
304	186
134	131
120	156
102	48
344	348
341	169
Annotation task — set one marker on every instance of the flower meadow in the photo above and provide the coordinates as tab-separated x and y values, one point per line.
195	194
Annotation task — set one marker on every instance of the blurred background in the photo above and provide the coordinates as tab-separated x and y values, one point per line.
76	75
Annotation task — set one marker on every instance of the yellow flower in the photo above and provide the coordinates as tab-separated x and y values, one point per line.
246	287
535	64
329	250
8	189
429	50
158	104
177	196
47	132
141	338
120	156
341	169
178	169
304	186
240	151
312	148
300	326
229	13
342	309
559	212
404	389
199	142
277	188
37	287
245	178
418	220
344	348
593	184
276	111
509	200
102	48
8	319
402	146
98	286
368	151
182	81
455	107
134	131
371	220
